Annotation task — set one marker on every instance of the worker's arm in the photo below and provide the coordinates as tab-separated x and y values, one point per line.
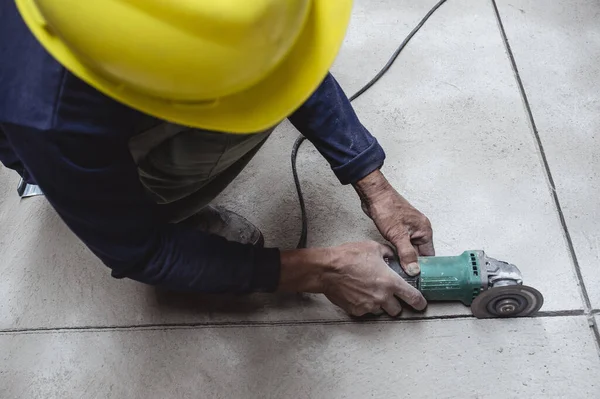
328	120
88	175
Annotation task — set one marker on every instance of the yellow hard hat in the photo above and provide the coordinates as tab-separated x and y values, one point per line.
230	65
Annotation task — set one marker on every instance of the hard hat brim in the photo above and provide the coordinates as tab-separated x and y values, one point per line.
258	108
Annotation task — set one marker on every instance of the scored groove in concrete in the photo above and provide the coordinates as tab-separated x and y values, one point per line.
533	358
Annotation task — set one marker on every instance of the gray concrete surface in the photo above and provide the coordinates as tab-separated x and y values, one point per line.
460	146
564	37
544	357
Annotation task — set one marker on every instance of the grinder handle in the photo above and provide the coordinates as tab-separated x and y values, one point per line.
394	264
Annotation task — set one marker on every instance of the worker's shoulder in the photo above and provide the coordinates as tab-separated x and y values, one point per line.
29	76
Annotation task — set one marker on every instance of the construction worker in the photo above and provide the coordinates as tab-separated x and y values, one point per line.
132	117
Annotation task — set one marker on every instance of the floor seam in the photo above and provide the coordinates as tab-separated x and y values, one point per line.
234	324
545	162
589	312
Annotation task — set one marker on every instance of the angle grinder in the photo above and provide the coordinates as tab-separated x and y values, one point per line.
492	288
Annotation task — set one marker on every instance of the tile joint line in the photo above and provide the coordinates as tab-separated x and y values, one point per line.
588	306
242	324
544	161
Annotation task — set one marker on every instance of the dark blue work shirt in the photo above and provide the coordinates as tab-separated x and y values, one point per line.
73	142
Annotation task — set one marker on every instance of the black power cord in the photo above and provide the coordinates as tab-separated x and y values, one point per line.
300	139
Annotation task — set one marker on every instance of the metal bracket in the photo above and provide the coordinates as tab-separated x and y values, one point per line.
28	190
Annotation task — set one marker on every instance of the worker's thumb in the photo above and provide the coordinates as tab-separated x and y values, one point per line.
408	257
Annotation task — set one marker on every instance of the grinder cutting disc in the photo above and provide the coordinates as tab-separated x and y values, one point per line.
507	301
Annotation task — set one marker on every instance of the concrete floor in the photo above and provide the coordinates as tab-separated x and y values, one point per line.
462	146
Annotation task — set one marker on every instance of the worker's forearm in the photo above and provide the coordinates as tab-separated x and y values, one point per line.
303	270
372	186
328	120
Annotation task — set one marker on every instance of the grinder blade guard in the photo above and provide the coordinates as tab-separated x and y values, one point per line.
491	287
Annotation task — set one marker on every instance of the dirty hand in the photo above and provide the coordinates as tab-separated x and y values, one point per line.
360	282
397	220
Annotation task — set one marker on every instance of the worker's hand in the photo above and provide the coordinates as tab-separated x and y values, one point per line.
353	276
397	220
360	282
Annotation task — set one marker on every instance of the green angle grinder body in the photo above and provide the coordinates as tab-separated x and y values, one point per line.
491	287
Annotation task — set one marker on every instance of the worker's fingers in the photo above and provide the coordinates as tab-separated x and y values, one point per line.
386	251
423	239
408	256
378	312
392	307
416	247
410	294
427	249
